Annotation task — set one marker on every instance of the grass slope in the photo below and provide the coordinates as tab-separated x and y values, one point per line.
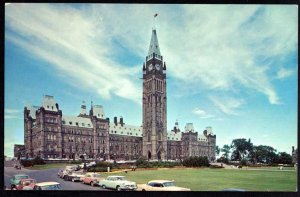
218	179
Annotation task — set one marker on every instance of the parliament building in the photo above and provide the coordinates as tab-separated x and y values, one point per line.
49	133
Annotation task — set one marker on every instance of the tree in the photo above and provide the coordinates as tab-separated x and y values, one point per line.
263	154
226	150
241	148
284	158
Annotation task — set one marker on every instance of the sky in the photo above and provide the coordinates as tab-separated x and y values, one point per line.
231	67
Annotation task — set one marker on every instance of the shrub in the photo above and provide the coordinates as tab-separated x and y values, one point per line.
196	162
27	163
97	169
38	161
243	162
223	160
76	162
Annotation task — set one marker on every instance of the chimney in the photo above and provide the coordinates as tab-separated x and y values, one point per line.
115	120
121	121
293	149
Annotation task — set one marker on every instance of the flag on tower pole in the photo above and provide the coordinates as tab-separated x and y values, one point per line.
155	15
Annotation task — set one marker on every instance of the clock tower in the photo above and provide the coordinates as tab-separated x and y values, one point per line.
154	103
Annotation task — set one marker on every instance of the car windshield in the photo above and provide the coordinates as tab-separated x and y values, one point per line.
78	173
51	187
169	184
97	175
22	177
121	178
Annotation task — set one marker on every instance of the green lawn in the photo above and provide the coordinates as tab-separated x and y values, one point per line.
218	179
48	166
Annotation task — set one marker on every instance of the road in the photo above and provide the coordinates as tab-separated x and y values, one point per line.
47	175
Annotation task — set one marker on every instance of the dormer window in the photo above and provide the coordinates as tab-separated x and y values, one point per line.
89	125
70	122
48	106
76	123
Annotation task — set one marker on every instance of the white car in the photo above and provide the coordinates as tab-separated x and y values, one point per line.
117	182
161	185
47	186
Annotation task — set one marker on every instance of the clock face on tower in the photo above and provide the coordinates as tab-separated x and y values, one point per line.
150	67
157	66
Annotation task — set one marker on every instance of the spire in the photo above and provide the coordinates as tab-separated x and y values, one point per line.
154	47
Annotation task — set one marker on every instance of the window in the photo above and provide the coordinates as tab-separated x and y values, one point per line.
70	122
76	123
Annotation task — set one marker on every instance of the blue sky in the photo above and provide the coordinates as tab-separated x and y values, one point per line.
232	67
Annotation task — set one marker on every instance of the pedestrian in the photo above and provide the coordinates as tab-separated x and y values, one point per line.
132	168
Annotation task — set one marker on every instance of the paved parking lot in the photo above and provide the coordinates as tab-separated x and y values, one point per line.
47	175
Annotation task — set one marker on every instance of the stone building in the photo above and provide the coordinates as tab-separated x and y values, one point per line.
19	150
294	155
51	134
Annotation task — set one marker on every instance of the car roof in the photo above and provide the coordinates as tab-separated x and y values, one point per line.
47	183
21	175
115	176
159	181
30	179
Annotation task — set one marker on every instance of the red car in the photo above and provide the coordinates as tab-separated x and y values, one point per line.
26	184
91	179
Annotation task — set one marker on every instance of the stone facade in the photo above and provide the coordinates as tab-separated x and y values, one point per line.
49	133
294	155
19	150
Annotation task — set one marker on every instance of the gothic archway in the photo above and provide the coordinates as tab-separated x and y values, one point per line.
149	155
159	155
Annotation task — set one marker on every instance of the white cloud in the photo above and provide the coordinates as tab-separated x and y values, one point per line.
201	113
225	48
284	73
227	105
216	47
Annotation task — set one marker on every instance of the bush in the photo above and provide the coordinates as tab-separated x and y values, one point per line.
75	162
36	161
243	162
196	162
97	169
223	160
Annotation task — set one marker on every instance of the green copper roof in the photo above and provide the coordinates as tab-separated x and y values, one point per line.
154	47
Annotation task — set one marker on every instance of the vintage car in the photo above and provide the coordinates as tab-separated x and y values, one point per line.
117	182
92	178
47	186
26	184
15	180
161	185
73	176
64	173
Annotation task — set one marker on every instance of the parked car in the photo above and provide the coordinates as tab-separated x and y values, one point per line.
47	186
117	182
15	180
161	185
73	176
91	164
64	173
73	168
26	184
92	179
60	173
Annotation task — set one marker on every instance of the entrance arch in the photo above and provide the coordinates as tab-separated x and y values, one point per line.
159	155
149	155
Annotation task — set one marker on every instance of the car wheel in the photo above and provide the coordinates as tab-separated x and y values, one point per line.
118	188
92	183
73	180
143	190
13	187
103	186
